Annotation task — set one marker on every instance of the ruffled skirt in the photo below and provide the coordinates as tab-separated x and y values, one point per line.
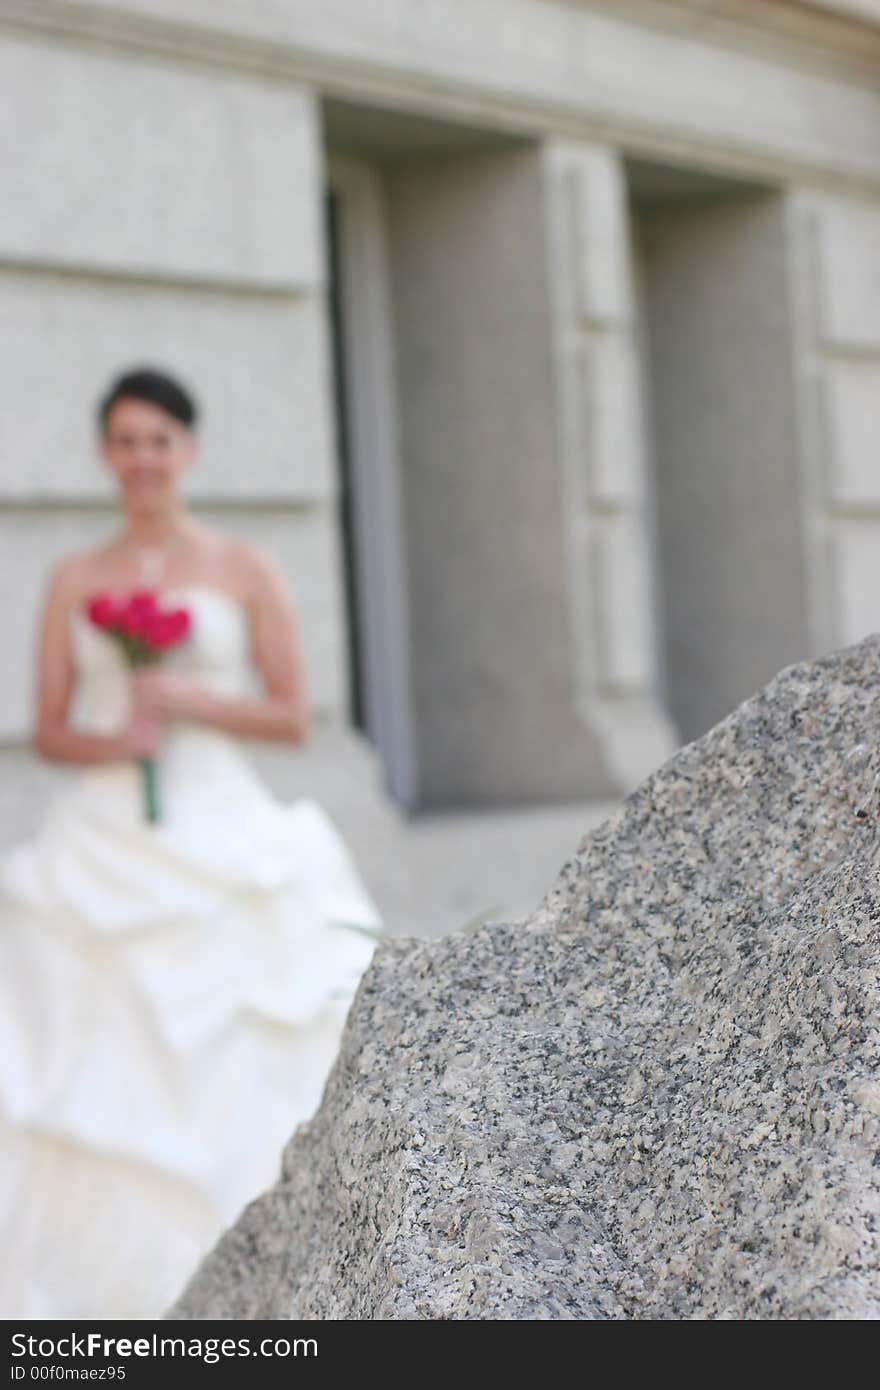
171	1002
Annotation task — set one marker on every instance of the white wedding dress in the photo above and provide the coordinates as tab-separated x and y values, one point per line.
171	996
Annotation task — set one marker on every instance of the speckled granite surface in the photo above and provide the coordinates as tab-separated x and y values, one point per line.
657	1098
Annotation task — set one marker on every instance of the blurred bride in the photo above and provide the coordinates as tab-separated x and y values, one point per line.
172	991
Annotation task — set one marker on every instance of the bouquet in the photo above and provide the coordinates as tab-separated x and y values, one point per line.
145	632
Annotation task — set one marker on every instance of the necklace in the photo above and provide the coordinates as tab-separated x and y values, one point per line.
151	561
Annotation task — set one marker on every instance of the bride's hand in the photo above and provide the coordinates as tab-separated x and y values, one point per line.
142	737
163	695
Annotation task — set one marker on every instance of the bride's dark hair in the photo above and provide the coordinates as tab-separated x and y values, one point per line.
158	388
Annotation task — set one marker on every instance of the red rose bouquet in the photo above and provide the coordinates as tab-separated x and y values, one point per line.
145	632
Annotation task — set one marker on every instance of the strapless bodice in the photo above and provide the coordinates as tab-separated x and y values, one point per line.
201	769
216	654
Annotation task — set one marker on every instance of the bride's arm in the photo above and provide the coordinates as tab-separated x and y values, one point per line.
52	737
281	713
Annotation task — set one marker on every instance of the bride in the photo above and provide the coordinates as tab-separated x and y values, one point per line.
171	992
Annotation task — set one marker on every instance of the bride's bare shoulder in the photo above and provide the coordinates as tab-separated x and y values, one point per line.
257	572
74	575
249	560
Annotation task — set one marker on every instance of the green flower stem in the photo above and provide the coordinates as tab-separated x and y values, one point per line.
151	796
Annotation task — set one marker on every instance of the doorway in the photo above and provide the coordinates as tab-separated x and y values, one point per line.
712	269
454	511
370	522
333	214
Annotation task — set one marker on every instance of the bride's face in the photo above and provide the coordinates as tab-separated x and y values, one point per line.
147	450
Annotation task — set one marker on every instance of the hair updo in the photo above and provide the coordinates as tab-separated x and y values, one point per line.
155	387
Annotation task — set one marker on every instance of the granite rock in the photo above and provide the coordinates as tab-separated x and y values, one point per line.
658	1097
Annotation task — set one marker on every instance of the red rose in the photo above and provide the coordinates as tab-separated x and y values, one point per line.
132	621
143	601
139	614
164	630
103	610
180	623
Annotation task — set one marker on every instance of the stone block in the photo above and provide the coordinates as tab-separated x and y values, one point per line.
141	165
851	401
622	606
855	577
595	192
847	243
614	438
258	365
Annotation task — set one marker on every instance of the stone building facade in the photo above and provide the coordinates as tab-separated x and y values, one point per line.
538	339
